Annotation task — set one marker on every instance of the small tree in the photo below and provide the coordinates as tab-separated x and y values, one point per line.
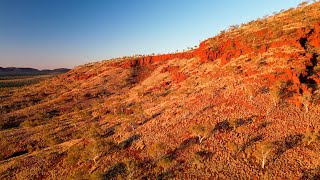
310	136
275	91
93	132
201	131
306	100
233	147
249	90
233	123
303	4
156	149
248	152
131	166
165	163
262	152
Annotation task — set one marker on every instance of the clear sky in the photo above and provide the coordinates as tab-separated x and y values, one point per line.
65	33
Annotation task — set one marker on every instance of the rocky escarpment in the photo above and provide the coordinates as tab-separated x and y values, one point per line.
300	77
298	45
150	60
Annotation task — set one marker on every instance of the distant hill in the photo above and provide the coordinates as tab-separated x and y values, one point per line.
14	71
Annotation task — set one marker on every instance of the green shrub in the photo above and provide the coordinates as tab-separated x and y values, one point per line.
310	136
233	147
31	123
156	149
233	123
97	175
74	154
276	90
201	131
165	163
317	68
262	152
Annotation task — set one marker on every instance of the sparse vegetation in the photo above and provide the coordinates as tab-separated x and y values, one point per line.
249	90
233	147
310	136
201	131
156	149
262	152
306	100
233	123
19	81
164	163
276	91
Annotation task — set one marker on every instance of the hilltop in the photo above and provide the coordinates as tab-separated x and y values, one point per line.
14	71
245	104
18	77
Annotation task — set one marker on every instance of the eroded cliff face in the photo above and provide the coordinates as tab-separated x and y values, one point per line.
149	60
304	43
298	44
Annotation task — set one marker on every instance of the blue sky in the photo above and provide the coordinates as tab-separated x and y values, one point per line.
66	33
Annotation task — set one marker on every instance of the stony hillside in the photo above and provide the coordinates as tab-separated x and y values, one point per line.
244	105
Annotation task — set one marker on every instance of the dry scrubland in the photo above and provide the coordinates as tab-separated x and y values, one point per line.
18	81
246	105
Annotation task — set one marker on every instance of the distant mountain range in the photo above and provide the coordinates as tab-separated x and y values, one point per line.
14	71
